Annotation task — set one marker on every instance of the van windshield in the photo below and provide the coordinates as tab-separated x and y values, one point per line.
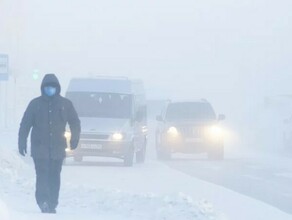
101	105
190	111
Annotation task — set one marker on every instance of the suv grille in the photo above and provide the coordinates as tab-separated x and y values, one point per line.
192	132
94	136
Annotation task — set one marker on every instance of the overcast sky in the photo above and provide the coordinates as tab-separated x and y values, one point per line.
179	48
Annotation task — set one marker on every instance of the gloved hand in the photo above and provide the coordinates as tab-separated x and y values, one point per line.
73	144
22	150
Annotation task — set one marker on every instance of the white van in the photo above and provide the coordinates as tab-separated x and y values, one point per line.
112	111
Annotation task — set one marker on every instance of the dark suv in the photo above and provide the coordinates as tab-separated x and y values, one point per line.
189	127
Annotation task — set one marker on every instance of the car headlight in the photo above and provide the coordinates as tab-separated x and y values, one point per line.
172	131
215	132
117	136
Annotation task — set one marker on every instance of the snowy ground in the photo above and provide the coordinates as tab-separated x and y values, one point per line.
104	195
106	190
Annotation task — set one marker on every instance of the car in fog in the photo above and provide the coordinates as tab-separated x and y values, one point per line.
112	111
189	127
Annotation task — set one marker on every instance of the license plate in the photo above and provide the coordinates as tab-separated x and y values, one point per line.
196	132
91	146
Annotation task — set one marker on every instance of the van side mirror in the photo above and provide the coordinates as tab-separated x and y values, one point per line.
159	118
221	117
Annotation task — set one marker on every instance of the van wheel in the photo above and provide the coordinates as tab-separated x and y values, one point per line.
129	157
78	158
141	154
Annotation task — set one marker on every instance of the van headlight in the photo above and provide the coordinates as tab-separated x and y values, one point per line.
117	136
215	132
172	131
68	150
67	135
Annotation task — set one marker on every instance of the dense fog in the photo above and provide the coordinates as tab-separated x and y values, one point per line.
233	53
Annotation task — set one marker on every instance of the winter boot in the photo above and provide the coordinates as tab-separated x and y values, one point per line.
45	208
52	211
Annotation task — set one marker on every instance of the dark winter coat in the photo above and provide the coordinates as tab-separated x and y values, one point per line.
48	117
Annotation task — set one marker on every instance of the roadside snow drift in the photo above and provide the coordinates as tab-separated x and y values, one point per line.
17	188
137	206
10	164
4	213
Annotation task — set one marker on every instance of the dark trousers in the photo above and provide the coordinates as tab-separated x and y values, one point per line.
48	180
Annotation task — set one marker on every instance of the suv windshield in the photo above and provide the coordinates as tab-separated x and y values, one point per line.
190	111
101	105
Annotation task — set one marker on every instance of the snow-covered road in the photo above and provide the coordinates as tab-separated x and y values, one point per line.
104	189
265	178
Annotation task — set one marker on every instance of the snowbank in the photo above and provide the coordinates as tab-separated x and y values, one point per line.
10	163
4	213
137	205
17	188
11	166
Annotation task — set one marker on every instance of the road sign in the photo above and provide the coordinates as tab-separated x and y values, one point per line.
4	70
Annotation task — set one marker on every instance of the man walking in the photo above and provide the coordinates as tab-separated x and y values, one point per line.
48	116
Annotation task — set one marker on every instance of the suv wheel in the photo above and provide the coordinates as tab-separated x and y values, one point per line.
163	155
216	153
162	152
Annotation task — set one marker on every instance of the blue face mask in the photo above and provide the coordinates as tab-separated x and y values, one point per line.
50	90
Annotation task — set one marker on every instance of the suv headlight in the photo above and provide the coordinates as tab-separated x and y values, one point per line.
215	132
172	131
